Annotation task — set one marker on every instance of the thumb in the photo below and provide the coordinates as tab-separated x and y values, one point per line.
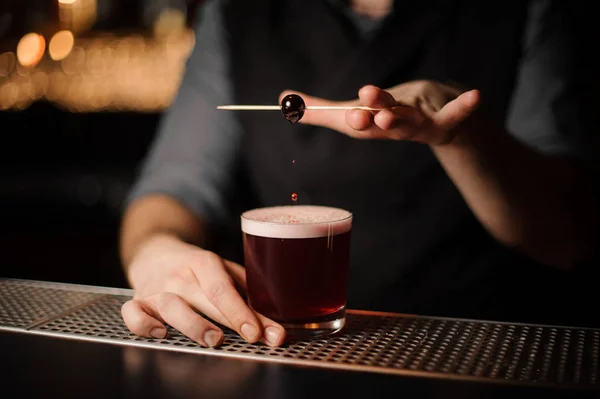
457	110
333	119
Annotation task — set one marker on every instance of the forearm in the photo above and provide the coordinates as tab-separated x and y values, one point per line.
154	216
538	205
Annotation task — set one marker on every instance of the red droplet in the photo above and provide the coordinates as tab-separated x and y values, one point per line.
294	161
294	197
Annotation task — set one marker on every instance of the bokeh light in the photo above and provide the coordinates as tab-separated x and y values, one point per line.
7	64
61	45
106	72
77	15
31	49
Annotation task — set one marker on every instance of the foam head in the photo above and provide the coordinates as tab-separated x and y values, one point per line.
296	221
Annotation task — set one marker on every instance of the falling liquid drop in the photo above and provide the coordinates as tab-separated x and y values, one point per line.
294	197
293	161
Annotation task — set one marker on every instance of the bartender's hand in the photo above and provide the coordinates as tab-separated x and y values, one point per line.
431	113
174	280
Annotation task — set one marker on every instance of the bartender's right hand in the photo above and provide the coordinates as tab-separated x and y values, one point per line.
173	281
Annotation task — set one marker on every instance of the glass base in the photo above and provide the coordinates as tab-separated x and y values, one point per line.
324	326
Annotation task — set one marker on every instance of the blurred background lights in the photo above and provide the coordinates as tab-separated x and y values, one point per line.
30	49
61	45
93	66
77	15
7	63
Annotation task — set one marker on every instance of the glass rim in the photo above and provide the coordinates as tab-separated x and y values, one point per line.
344	219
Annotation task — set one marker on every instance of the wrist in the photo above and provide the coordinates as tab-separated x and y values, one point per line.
473	134
157	239
148	243
461	141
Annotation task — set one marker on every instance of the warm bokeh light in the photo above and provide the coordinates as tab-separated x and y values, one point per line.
30	49
61	45
104	73
75	62
77	15
9	94
7	64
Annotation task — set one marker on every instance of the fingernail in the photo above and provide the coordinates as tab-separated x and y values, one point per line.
272	335
249	331
158	332
212	338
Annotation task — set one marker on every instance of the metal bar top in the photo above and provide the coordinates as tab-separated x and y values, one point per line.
374	343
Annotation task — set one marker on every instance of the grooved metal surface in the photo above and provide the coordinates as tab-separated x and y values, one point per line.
449	348
23	305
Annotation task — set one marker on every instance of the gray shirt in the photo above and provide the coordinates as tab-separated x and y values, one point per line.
192	158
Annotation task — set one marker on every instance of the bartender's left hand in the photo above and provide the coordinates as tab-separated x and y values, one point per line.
430	114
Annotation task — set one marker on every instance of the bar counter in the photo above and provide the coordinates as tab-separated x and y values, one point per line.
64	340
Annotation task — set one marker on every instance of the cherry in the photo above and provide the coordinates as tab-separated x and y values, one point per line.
293	107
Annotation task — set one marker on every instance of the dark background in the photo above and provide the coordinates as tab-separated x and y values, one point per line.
64	174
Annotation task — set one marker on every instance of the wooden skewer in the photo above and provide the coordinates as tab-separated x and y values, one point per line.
250	107
278	107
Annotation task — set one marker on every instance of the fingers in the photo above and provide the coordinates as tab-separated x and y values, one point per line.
359	120
332	119
238	273
145	318
179	315
457	110
418	121
141	316
271	333
355	123
219	289
374	97
139	321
